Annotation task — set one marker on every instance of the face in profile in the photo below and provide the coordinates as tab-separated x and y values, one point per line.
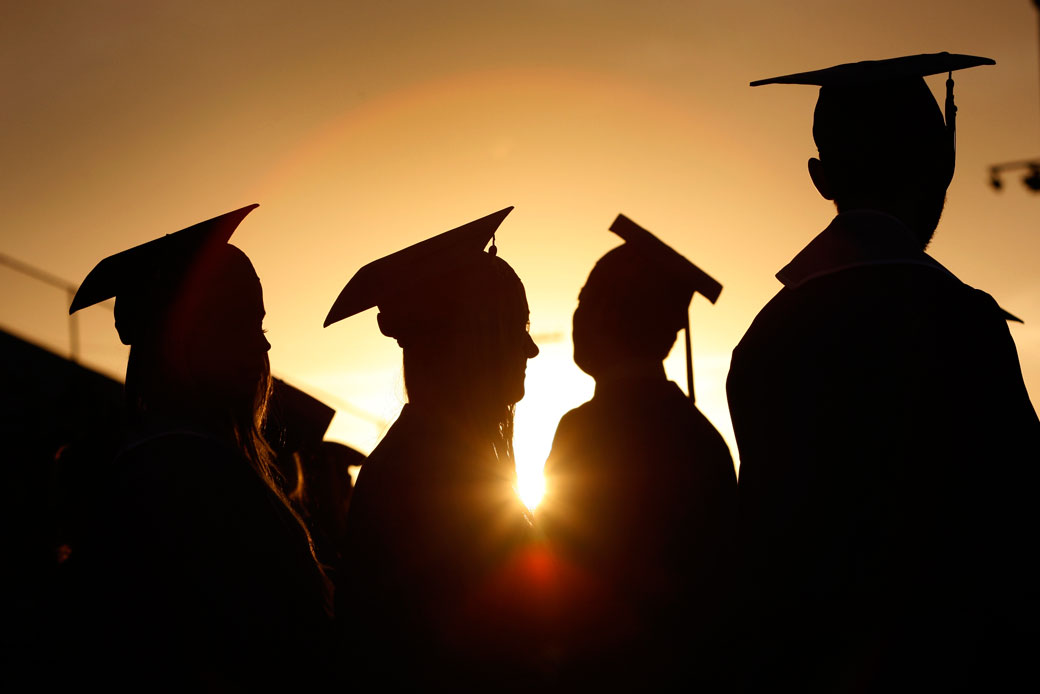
226	349
465	338
518	346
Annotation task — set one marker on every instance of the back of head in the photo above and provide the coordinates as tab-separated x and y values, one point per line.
883	140
628	310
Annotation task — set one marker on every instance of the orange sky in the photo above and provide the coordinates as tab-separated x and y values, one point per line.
363	127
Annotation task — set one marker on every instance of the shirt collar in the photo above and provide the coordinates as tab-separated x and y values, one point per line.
856	239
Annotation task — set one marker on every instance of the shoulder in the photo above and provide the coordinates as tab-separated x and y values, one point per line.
183	475
980	306
570	433
871	303
576	418
399	476
398	456
178	455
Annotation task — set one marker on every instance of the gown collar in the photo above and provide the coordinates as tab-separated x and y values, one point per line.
854	239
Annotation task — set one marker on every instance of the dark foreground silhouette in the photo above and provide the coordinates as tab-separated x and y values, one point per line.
194	572
888	446
437	538
641	490
46	402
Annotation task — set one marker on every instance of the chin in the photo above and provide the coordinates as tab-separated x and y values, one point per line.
516	395
581	362
514	391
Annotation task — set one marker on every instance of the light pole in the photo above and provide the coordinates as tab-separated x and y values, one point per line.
1031	179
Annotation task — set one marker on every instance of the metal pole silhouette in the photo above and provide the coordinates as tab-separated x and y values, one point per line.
53	280
1032	179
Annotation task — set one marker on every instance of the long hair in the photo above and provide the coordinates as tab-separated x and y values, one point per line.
459	346
166	384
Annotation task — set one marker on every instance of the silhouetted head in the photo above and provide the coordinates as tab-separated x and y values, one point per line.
628	311
461	317
882	139
199	351
464	337
191	308
635	300
884	146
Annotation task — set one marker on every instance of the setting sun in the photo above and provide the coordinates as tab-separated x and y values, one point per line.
530	487
554	385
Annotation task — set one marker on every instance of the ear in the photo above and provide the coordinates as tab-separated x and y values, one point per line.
818	174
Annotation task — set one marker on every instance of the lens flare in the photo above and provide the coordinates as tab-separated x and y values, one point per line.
530	486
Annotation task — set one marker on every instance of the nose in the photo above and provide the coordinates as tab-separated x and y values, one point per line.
531	350
266	342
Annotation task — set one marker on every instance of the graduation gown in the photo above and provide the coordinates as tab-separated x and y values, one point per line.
888	455
194	576
436	565
640	501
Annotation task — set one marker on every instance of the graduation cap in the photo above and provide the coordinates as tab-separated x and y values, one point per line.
296	420
402	277
145	278
885	96
683	278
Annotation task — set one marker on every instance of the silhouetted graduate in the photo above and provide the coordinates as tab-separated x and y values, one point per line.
436	531
198	575
640	487
314	473
888	446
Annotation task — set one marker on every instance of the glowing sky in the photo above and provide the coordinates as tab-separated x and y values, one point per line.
364	127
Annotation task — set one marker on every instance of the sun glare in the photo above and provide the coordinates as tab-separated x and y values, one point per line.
554	385
530	486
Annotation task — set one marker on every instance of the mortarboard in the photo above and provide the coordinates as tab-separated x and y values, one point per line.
681	274
392	277
684	273
144	277
296	420
868	71
883	93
